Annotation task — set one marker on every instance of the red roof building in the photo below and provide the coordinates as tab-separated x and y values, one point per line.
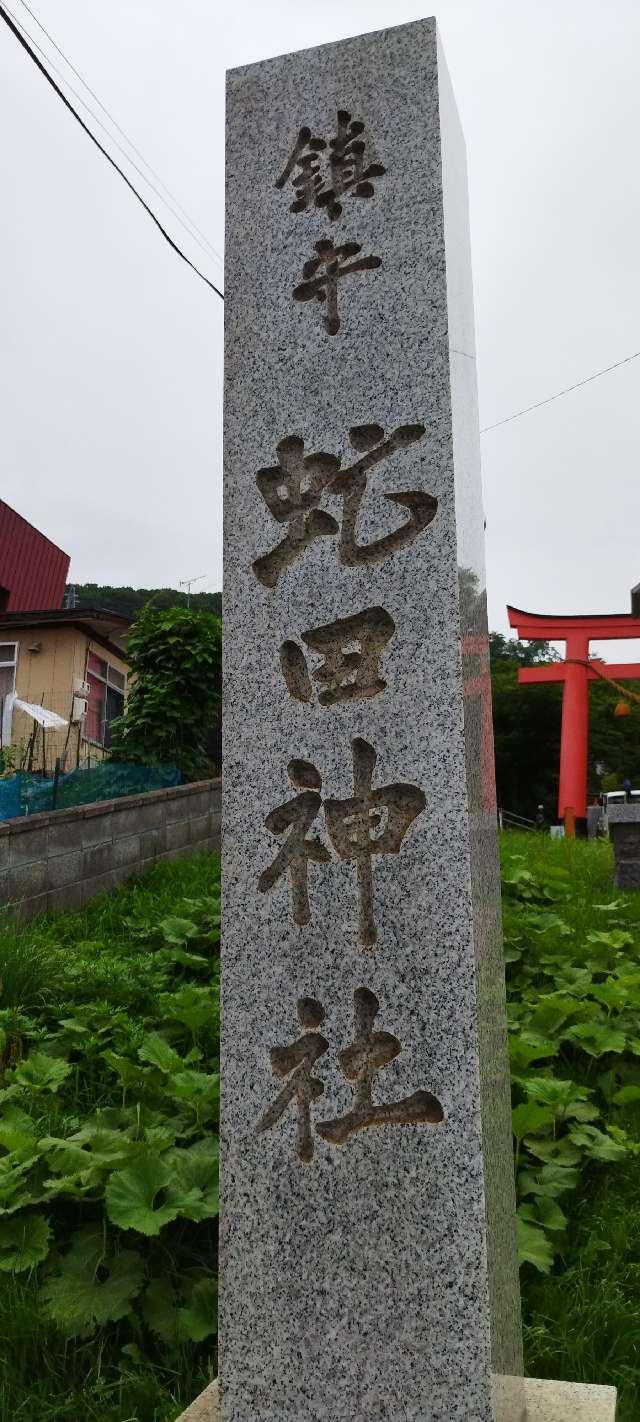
33	571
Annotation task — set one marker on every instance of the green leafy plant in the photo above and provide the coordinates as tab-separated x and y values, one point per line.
574	1023
174	698
109	1093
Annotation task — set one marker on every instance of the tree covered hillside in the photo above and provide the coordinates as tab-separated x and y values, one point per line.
131	600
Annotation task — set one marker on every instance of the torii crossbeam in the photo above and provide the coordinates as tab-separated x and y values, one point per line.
577	633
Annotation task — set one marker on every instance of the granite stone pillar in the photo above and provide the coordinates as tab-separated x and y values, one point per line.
624	826
368	1262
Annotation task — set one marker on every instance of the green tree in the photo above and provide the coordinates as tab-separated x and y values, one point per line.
614	741
175	694
526	723
524	654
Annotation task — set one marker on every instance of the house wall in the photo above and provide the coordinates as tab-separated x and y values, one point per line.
63	859
47	677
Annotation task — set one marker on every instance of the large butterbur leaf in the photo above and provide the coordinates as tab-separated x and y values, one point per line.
195	1320
24	1241
193	1006
92	1288
158	1053
596	1038
177	931
549	1181
41	1073
530	1118
135	1197
533	1246
199	1318
198	1090
597	1144
160	1312
194	1180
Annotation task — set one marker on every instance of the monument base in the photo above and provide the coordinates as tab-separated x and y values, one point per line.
568	1402
546	1402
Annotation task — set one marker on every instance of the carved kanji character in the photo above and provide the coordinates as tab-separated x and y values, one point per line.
347	171
296	1062
372	822
344	675
293	489
298	816
361	1061
323	273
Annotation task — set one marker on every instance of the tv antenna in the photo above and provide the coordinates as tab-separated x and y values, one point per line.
187	583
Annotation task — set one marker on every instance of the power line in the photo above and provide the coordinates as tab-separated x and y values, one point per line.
68	105
559	393
193	225
109	135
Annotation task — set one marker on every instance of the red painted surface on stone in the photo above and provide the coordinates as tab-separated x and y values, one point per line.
33	571
477	682
577	632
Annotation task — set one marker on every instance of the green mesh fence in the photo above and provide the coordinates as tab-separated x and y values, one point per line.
25	794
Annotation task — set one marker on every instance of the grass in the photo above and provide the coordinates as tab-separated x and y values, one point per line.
113	959
38	961
582	1321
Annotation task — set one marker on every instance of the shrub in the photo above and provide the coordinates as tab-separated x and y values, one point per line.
175	691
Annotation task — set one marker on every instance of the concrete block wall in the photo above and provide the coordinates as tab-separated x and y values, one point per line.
63	859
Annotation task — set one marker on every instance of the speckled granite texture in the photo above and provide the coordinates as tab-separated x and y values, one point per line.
355	1283
624	813
624	824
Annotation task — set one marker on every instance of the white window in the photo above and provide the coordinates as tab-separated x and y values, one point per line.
8	663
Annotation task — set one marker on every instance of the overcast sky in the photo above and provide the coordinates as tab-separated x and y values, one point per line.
111	349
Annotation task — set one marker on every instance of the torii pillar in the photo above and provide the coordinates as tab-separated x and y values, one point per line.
577	633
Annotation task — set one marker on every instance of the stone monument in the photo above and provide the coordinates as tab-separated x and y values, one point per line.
367	1256
624	827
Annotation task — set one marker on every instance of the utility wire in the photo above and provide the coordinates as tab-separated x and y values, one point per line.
108	133
112	120
32	55
557	396
98	121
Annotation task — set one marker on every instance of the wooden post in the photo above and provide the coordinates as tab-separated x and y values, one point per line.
570	822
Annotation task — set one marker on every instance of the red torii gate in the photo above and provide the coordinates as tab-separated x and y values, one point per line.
577	632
